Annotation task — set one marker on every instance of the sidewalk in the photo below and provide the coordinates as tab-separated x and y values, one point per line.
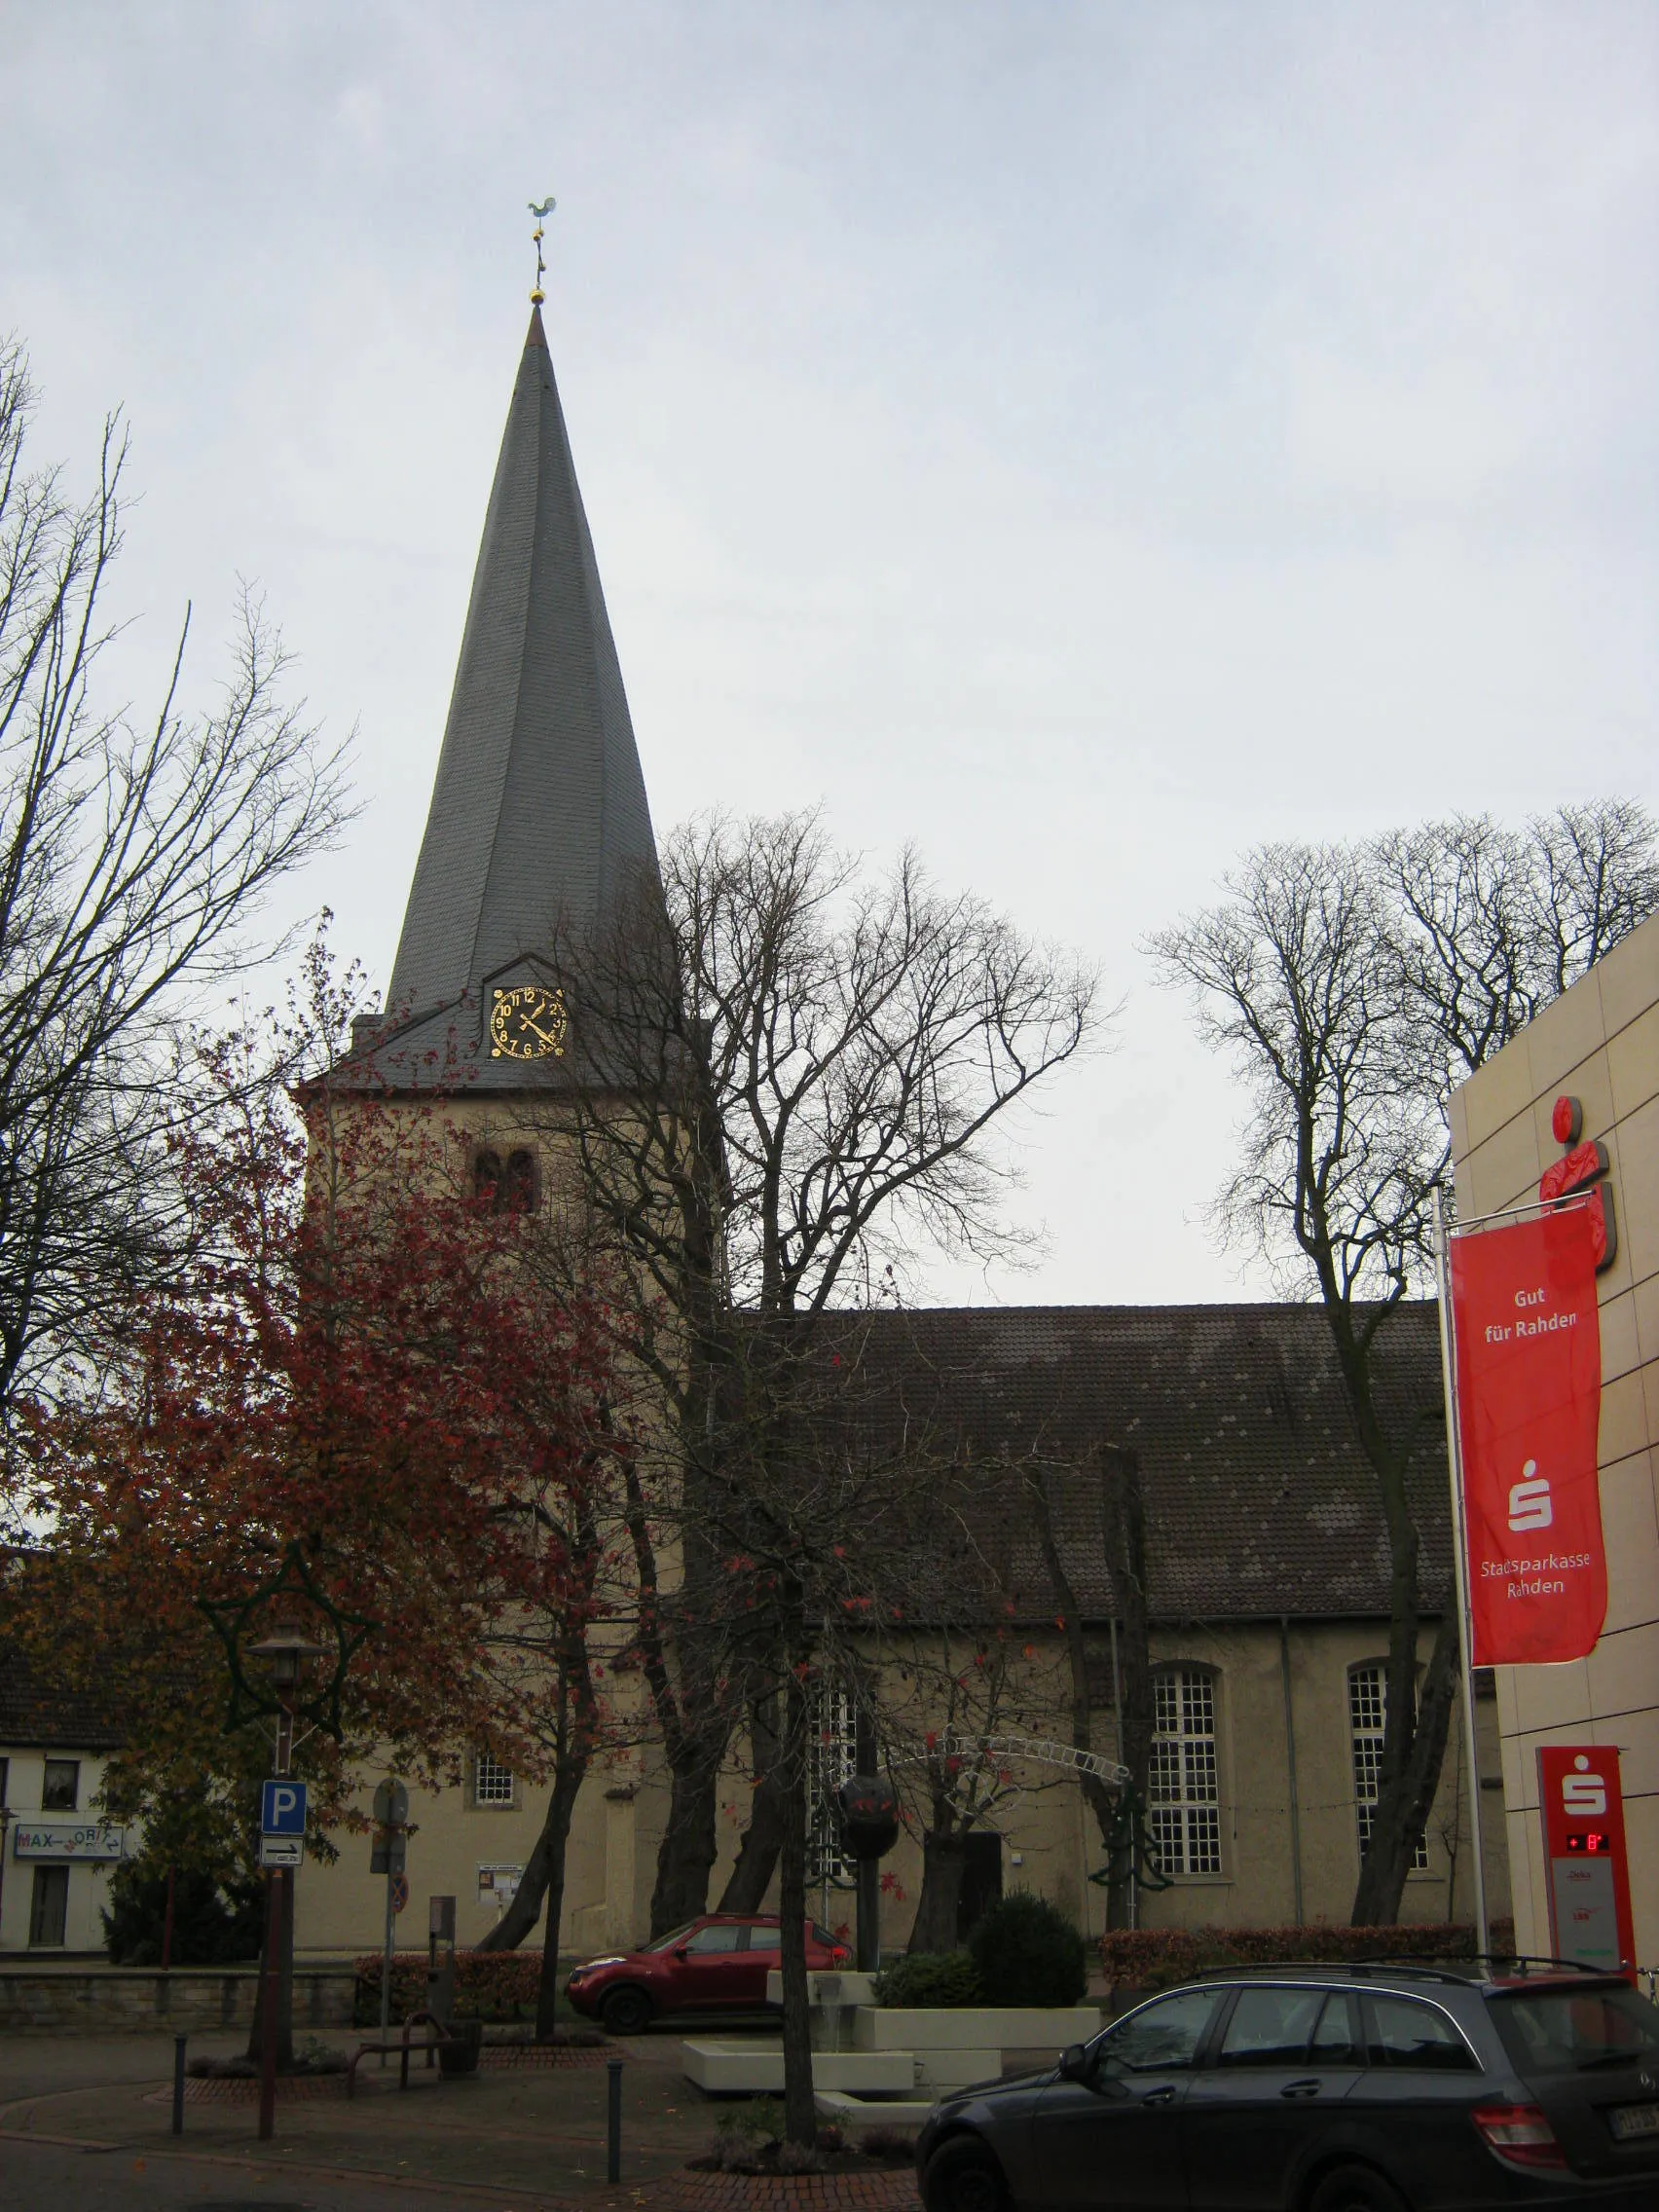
84	2115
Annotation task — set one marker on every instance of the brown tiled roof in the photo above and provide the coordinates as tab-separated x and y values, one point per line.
38	1714
1259	1499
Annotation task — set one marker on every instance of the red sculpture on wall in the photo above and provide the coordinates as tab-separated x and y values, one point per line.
1583	1169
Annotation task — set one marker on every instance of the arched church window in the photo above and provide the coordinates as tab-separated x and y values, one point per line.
487	1180
518	1186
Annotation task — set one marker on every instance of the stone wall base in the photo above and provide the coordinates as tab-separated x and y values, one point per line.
104	2000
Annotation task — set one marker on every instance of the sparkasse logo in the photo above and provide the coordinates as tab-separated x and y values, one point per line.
1530	1504
1583	1793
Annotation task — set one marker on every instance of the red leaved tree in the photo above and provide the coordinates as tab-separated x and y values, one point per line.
351	1359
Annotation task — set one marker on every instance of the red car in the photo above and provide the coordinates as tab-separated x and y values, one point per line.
717	1964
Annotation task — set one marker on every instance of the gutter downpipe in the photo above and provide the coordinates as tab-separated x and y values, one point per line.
1460	1559
1290	1768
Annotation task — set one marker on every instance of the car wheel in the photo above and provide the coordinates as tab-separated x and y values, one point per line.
1356	2189
625	2012
962	2176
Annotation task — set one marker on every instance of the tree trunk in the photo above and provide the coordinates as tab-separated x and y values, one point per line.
694	1725
800	2113
1123	1518
1415	1730
1403	1805
560	1806
686	1857
758	1854
943	1858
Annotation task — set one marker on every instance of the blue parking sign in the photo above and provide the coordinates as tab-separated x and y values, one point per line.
282	1808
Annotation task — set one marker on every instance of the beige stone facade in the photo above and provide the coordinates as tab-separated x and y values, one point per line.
1272	1867
1598	1043
52	1898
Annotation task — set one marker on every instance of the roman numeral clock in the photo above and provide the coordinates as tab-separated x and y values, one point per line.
527	1023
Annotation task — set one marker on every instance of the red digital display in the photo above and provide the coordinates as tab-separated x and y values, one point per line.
1593	1839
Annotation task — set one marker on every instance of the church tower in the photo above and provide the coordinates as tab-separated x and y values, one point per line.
539	821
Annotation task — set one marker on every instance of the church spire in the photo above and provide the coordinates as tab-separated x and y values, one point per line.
538	814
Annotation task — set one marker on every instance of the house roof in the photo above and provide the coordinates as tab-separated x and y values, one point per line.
1259	1498
38	1714
538	819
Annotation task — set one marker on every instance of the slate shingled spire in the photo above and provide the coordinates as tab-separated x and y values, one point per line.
539	811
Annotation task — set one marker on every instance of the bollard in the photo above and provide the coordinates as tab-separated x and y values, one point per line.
179	2043
613	2129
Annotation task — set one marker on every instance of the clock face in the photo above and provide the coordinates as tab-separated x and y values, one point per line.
527	1024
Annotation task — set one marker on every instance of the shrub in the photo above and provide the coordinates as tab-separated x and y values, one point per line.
488	1985
931	1977
1028	1953
1152	1958
214	1924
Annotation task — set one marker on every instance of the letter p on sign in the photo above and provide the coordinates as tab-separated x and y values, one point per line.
282	1808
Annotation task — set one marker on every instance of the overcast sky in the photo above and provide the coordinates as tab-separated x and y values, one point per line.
1082	439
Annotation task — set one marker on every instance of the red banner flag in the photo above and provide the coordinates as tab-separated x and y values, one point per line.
1528	1405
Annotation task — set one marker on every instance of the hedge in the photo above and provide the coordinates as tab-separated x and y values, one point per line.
1151	1958
488	1985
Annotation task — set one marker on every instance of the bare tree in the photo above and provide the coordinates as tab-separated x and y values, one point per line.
789	1079
1352	985
786	1080
131	859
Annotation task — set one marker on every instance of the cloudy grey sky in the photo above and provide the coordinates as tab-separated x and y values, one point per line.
1083	439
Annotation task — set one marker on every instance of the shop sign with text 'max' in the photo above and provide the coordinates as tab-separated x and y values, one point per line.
1584	1844
1528	1411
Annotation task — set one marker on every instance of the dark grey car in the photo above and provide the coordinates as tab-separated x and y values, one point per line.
1325	2089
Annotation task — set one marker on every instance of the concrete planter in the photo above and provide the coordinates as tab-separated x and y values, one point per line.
757	2069
974	2027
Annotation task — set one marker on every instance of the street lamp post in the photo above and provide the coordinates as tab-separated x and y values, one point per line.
284	1654
277	1697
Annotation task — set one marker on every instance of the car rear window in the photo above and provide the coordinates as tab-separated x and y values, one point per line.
1568	2031
1402	2032
766	1938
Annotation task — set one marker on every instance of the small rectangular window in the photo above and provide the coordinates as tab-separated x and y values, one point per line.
1184	1813
60	1787
492	1781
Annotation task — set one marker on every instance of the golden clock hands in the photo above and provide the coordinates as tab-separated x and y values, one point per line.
552	1043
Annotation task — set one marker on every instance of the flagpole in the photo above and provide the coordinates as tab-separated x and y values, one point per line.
1459	1558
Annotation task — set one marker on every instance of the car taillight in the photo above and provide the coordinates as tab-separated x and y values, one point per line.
1518	2133
839	1955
